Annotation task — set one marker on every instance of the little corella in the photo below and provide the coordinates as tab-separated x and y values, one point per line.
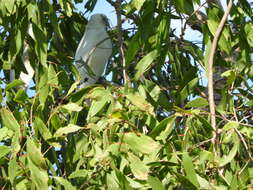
94	50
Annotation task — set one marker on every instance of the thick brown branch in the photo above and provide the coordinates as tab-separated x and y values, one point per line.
210	69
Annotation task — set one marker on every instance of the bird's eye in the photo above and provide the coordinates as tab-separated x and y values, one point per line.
86	79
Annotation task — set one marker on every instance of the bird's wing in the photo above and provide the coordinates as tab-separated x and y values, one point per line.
81	57
100	54
84	52
85	46
92	41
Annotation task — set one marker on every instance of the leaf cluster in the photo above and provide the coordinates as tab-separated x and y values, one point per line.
152	134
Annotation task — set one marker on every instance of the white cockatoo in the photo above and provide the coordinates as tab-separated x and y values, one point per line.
94	50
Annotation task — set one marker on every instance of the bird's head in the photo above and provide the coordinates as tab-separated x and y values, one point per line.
99	19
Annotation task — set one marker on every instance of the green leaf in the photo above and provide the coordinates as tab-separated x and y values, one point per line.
139	169
134	46
21	185
73	87
213	23
52	76
54	20
162	30
123	182
183	6
228	158
56	121
205	123
246	8
234	183
112	181
141	143
39	177
231	76
101	98
187	90
19	41
66	6
12	169
9	120
6	64
155	183
72	107
4	150
1	94
15	43
35	154
189	169
144	63
40	34
15	143
186	183
248	28
198	102
204	183
162	163
5	133
137	4
157	94
21	96
15	83
71	128
139	101
205	156
79	173
116	149
207	53
230	125
9	5
43	86
44	131
165	124
66	184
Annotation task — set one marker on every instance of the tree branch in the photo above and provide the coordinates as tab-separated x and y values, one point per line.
118	9
210	71
132	16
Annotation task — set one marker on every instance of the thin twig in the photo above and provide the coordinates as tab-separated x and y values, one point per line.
223	177
228	120
131	16
201	143
111	2
244	143
120	39
210	72
189	17
242	169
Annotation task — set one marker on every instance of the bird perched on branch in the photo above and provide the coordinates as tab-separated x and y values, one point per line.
94	50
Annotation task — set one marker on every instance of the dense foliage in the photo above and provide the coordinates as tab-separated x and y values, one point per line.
149	126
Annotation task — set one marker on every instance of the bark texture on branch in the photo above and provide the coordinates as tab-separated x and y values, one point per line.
210	73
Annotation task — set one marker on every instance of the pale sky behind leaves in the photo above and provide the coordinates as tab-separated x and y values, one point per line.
104	7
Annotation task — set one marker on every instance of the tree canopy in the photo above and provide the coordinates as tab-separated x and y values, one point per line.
174	113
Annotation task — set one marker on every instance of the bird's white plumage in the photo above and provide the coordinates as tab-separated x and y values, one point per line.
94	49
